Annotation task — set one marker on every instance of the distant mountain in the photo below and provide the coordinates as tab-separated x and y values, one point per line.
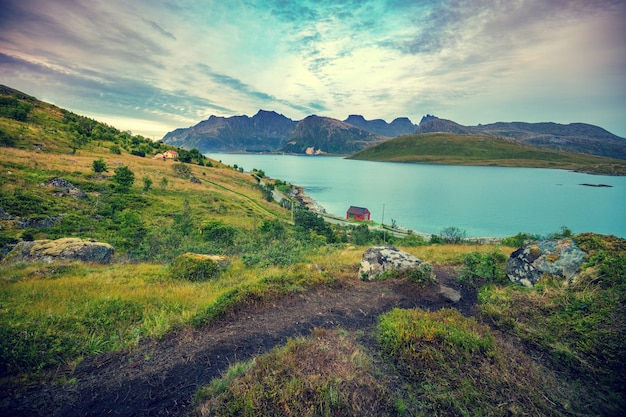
266	131
399	126
315	135
574	137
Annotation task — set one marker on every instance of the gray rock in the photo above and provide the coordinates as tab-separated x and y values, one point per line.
554	257
67	187
66	249
46	222
4	215
379	259
449	294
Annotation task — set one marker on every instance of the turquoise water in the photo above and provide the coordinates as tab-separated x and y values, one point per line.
483	201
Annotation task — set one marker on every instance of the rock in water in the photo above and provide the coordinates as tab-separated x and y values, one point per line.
379	259
560	257
66	249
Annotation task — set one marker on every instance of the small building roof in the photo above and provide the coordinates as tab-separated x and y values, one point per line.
357	210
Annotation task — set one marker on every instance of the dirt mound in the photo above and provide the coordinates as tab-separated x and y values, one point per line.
160	378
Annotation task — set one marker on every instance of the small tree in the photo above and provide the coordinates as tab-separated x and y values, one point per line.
182	170
147	184
164	183
99	165
124	178
452	234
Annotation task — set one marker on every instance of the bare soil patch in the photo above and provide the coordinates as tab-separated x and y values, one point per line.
159	378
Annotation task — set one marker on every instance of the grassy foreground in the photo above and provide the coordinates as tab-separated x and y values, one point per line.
553	350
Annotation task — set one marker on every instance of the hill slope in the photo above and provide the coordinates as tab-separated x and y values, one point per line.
574	137
458	149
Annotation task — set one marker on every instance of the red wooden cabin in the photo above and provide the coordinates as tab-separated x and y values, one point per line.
358	213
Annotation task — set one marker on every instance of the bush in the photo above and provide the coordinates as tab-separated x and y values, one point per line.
123	178
217	231
518	240
147	183
422	274
487	267
196	267
181	170
99	165
452	234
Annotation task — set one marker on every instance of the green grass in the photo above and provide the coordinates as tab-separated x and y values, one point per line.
327	374
580	326
55	314
454	366
451	149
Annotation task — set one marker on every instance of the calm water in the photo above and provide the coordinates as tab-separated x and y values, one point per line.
483	201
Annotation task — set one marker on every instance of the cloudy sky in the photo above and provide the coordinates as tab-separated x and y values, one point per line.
151	66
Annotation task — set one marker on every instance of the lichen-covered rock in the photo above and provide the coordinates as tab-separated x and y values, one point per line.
66	249
557	257
198	267
380	259
67	187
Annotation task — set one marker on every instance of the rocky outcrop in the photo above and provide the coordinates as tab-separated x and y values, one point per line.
556	257
66	249
380	259
35	223
67	188
4	215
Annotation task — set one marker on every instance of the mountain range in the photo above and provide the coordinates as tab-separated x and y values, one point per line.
268	131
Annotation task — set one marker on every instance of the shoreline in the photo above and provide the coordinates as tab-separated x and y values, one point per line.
308	202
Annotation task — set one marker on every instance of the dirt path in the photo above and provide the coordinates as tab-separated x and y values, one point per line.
160	378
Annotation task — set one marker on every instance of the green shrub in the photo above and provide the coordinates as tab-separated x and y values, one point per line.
518	240
196	267
99	165
124	178
217	231
452	234
181	170
422	274
484	267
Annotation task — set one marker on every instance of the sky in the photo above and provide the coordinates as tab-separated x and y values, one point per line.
151	66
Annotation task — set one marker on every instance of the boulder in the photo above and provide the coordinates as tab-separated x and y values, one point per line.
68	188
380	259
66	249
557	257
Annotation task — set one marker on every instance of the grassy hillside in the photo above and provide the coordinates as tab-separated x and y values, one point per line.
554	350
447	148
